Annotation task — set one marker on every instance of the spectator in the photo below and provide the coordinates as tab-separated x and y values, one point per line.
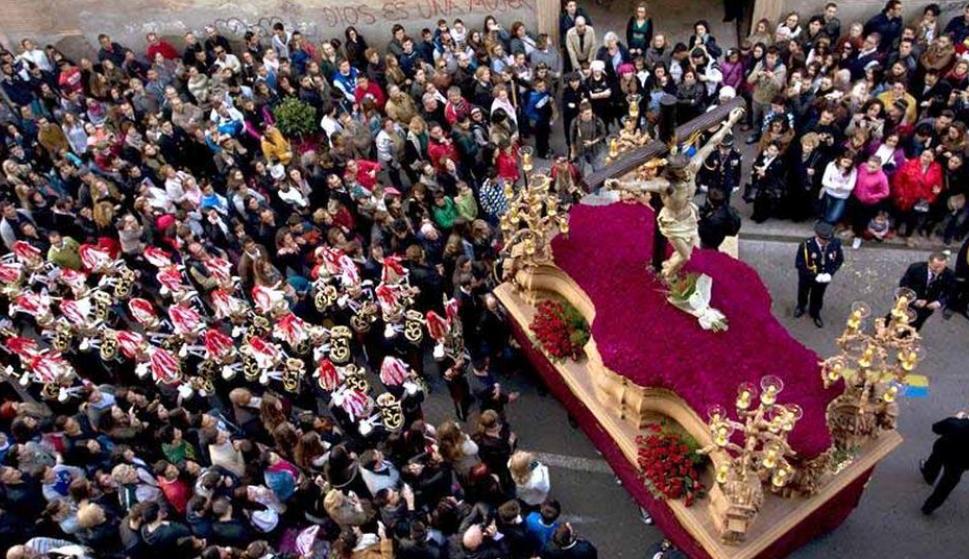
932	283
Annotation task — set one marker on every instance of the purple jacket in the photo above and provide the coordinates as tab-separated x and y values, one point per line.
733	73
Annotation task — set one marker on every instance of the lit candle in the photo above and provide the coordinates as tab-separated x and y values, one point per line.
743	400
854	320
775	424
613	148
770	458
723	470
564	226
779	479
769	396
716	414
721	438
890	394
529	247
865	361
834	373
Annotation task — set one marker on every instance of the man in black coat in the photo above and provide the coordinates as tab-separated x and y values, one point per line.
950	456
868	55
228	529
718	220
564	544
932	283
959	302
722	169
958	26
888	24
817	260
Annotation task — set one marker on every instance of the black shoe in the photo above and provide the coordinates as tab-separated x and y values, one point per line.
798	312
818	322
749	194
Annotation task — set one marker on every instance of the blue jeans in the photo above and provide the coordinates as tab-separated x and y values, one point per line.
834	209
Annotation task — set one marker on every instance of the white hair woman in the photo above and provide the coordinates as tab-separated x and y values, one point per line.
531	478
610	39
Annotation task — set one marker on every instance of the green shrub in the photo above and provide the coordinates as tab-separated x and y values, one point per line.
294	118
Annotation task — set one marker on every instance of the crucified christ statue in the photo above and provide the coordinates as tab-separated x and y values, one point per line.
678	220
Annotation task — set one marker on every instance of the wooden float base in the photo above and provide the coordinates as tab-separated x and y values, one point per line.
612	411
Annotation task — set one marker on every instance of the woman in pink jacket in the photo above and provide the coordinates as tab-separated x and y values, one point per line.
868	197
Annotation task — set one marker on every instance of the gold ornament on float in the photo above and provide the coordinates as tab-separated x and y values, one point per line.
760	458
873	364
535	214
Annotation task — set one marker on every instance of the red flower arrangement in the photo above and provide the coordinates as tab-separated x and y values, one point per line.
670	464
560	329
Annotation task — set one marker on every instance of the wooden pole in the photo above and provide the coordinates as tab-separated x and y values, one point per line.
657	148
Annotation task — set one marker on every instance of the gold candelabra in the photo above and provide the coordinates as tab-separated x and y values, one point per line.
873	364
764	428
629	136
741	469
533	217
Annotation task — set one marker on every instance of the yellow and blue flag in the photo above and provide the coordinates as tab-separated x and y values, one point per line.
916	386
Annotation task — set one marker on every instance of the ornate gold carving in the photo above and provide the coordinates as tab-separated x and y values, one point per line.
873	366
763	457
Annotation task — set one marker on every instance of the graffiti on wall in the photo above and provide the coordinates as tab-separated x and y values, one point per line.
331	17
79	21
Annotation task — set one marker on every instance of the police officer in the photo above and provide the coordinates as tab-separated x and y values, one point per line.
721	170
817	260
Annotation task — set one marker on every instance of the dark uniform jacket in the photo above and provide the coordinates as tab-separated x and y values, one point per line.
721	170
813	259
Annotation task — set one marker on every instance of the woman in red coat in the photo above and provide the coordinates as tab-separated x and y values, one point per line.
914	187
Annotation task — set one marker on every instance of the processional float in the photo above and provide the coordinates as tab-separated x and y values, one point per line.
790	439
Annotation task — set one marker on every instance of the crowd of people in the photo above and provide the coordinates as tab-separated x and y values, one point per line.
862	126
222	327
219	329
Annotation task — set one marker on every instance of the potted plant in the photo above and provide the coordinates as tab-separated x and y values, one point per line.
297	121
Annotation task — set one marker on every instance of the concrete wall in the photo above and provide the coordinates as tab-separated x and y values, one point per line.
73	25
